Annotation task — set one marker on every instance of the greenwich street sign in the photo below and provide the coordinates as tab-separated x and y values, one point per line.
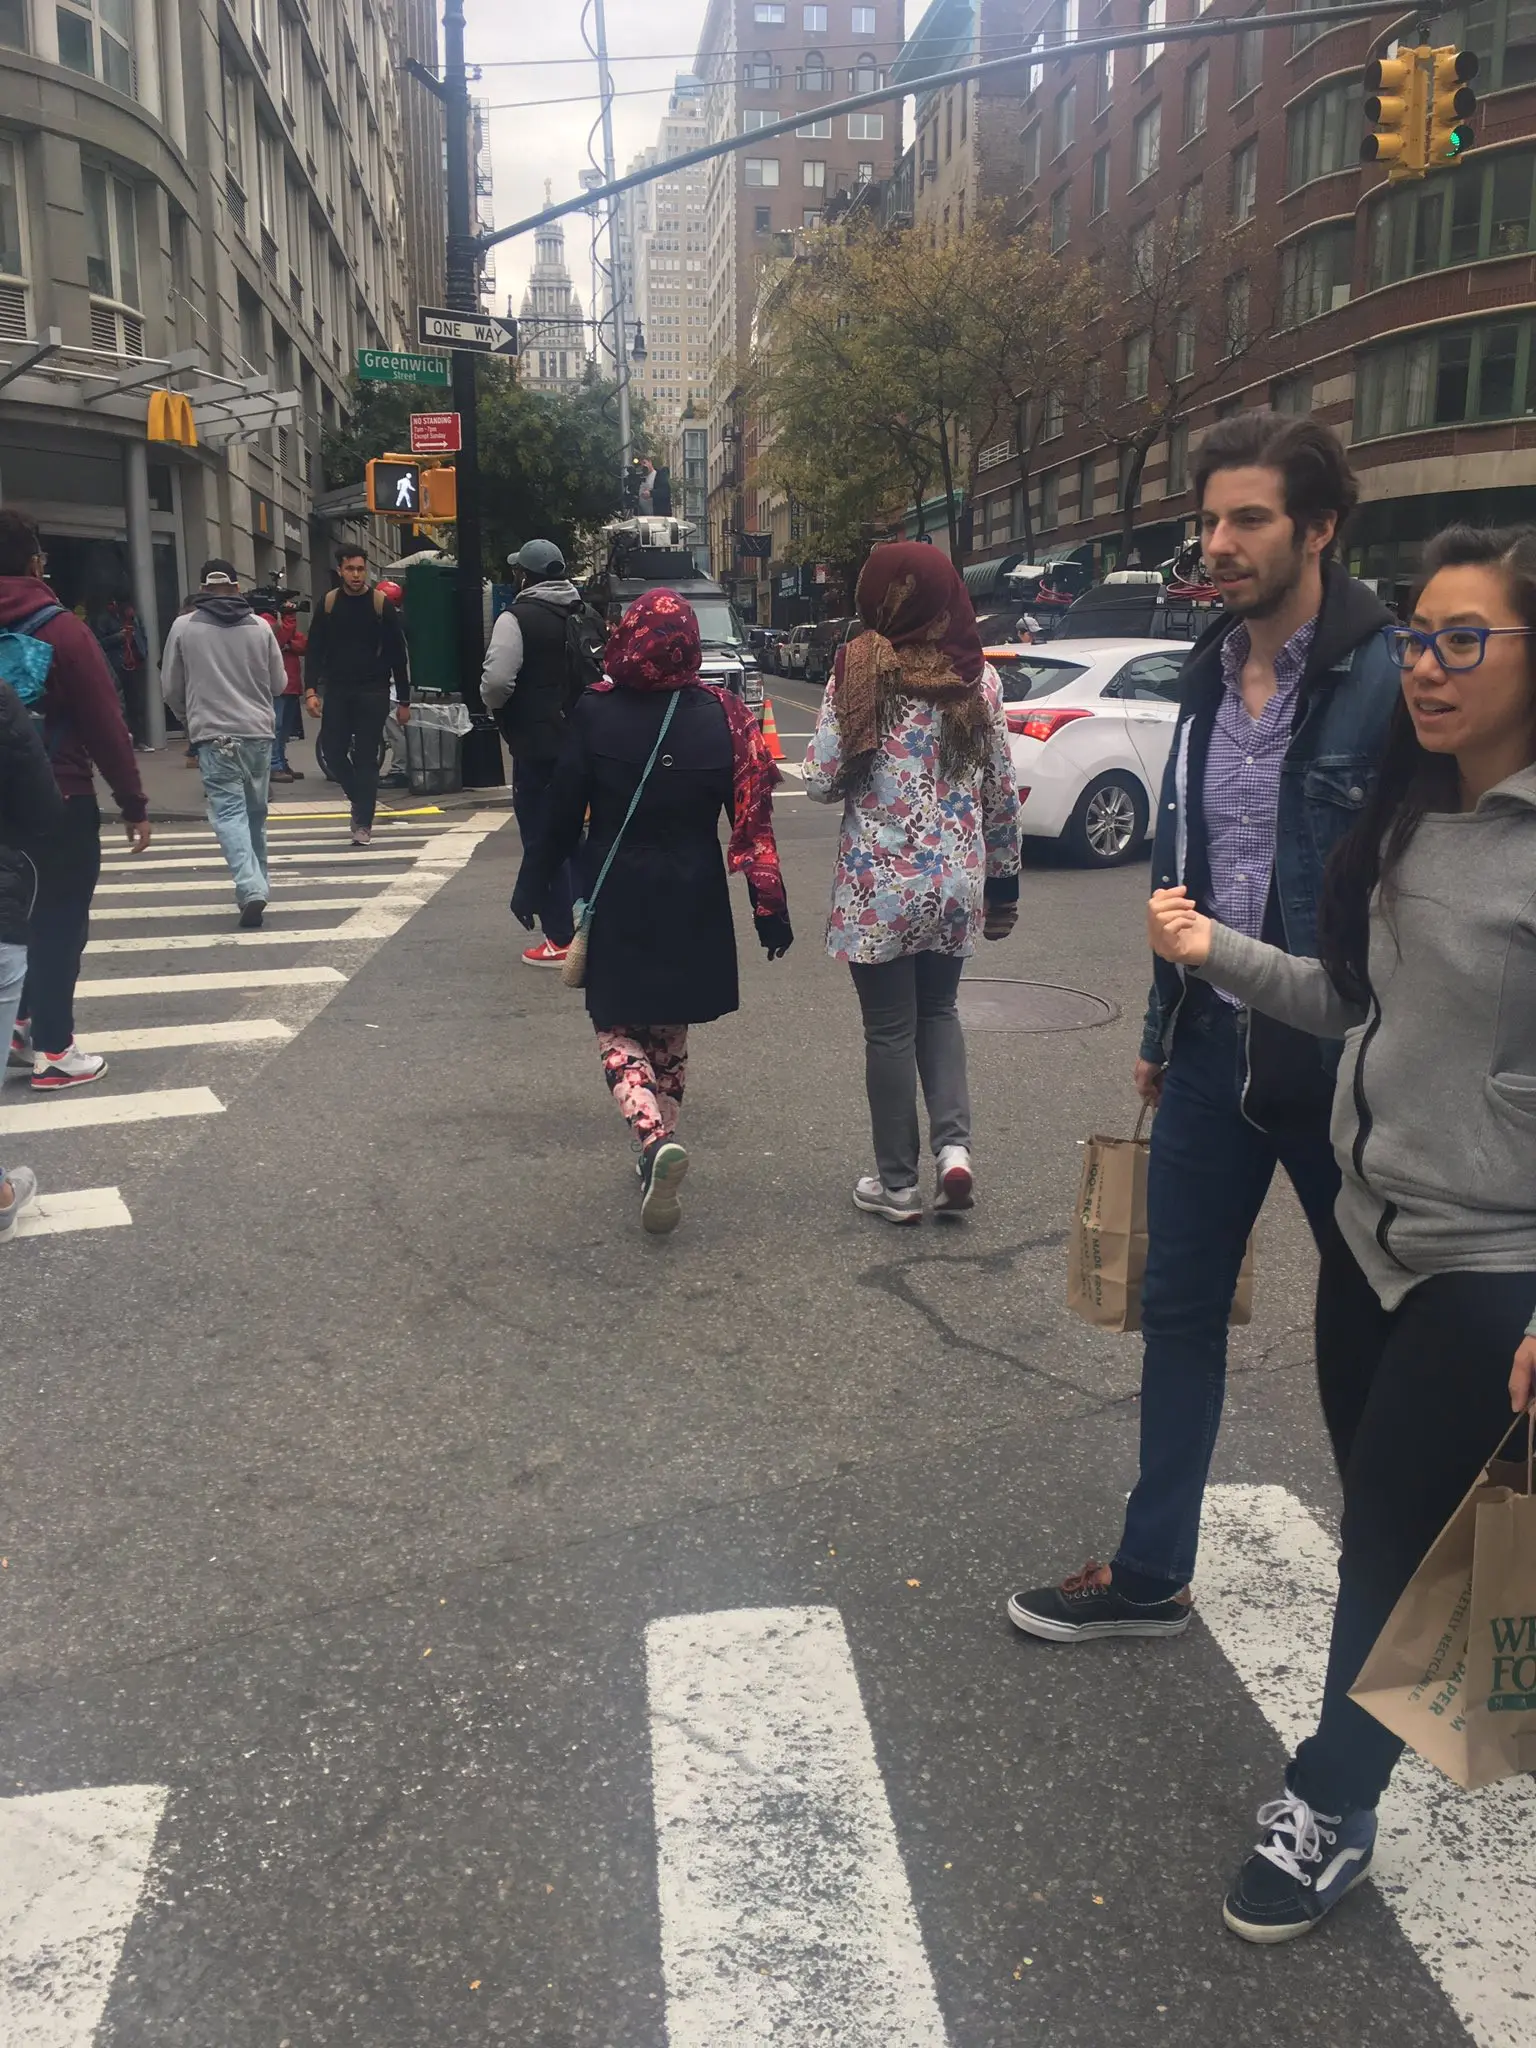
379	366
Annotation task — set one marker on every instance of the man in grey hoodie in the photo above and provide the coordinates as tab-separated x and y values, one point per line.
221	671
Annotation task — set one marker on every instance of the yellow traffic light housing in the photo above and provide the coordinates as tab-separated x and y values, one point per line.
1397	106
394	486
440	492
1452	104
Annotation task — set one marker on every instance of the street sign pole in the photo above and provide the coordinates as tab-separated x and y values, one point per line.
463	295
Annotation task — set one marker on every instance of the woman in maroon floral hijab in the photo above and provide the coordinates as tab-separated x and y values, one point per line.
661	945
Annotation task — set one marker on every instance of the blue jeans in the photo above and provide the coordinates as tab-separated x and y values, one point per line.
13	974
287	724
1209	1173
235	776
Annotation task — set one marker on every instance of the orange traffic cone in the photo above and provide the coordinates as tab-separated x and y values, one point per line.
771	731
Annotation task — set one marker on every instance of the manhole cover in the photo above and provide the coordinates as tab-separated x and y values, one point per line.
1030	1006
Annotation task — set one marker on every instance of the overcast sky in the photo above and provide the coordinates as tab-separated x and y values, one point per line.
647	46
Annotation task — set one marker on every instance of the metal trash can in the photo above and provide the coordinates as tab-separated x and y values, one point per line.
434	747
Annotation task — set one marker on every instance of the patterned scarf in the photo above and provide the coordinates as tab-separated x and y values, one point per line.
921	642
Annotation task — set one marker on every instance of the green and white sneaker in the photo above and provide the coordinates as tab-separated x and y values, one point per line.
663	1169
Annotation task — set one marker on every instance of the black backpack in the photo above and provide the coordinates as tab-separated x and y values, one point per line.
585	638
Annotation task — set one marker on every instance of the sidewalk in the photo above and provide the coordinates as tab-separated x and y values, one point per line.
175	789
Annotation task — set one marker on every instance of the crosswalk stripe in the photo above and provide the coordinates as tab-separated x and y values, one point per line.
140	912
785	1910
79	1112
55	1214
194	884
166	1037
214	859
72	1866
1458	1869
193	942
335	841
206	984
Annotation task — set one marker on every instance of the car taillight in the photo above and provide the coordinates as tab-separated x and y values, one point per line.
1039	725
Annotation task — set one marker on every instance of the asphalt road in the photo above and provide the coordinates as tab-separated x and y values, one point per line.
339	1492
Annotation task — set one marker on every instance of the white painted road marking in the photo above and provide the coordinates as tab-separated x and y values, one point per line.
72	1867
1457	1868
199	942
162	1037
194	884
204	984
52	1215
78	1112
141	912
785	1911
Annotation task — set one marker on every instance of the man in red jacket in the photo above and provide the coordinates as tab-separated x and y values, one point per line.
83	725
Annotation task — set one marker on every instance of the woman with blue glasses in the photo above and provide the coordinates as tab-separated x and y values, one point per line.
1426	1304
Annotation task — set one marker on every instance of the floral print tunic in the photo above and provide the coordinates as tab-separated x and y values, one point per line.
916	850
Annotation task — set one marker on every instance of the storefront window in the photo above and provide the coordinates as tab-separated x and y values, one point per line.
1479	372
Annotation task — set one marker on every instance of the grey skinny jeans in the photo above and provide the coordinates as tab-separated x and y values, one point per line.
911	1032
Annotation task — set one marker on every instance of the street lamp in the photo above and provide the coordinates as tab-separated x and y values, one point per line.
637	350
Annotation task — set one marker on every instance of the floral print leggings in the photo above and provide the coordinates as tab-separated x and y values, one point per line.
646	1065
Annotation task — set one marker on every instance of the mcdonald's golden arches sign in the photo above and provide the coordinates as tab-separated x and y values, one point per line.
170	418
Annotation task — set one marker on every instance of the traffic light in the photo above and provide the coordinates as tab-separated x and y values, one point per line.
1452	104
440	492
394	486
1396	105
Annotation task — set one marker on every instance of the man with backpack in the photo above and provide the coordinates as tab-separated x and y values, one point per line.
72	697
543	653
356	650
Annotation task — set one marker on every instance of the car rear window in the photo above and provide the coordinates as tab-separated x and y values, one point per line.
1026	675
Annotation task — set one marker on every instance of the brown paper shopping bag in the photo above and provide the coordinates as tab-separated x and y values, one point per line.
1107	1245
1454	1670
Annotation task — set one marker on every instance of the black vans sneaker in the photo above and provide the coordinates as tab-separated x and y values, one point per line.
1086	1606
1305	1864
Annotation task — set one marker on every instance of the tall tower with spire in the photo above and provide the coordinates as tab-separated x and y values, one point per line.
552	341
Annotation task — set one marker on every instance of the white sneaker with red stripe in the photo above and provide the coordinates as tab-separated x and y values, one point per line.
544	955
71	1068
957	1184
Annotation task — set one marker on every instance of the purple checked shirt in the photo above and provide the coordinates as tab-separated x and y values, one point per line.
1242	781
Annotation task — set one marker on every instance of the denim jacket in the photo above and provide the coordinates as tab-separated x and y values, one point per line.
1346	697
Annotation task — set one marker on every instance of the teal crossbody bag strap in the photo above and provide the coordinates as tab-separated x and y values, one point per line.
584	910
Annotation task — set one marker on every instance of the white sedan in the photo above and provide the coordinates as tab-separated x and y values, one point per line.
1091	722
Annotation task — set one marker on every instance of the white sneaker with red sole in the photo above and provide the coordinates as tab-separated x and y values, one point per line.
544	955
957	1184
71	1068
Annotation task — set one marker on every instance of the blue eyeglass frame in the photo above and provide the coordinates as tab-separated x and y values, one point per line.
1400	638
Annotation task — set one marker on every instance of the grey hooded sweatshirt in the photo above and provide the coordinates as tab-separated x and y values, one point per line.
221	670
1434	1114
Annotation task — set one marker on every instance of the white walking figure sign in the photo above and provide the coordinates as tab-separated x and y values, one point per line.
405	493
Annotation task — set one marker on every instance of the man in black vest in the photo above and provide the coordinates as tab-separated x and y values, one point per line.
356	651
529	682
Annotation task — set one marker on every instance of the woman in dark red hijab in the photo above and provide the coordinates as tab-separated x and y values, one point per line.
661	944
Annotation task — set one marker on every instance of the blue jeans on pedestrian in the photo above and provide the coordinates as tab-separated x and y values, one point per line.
1209	1173
235	774
287	724
13	975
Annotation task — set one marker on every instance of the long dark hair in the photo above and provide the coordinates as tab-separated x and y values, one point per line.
1412	780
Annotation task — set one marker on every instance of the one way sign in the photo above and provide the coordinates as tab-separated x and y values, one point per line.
482	334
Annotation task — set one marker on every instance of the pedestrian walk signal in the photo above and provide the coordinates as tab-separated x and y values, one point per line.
1452	104
1397	106
394	487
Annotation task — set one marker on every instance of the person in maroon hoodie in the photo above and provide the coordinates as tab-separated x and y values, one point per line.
83	725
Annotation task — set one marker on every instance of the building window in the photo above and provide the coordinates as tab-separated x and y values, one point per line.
768	14
1322	135
1103	83
1236	306
1248	63
758	74
1151	14
1292	394
1196	92
1061	216
864	21
1315	273
865	174
111	237
1177	479
1098	199
1087	486
949	126
753	118
96	37
1456	374
1050	500
866	127
1142	250
234	153
1190	228
1184	342
814	20
1138	365
761	170
1053	419
1066	119
762	219
1031	152
13	24
814	174
1487	212
811	217
14	323
1245	182
814	131
814	75
1147	143
865	74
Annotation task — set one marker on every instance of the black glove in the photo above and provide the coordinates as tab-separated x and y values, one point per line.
774	934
